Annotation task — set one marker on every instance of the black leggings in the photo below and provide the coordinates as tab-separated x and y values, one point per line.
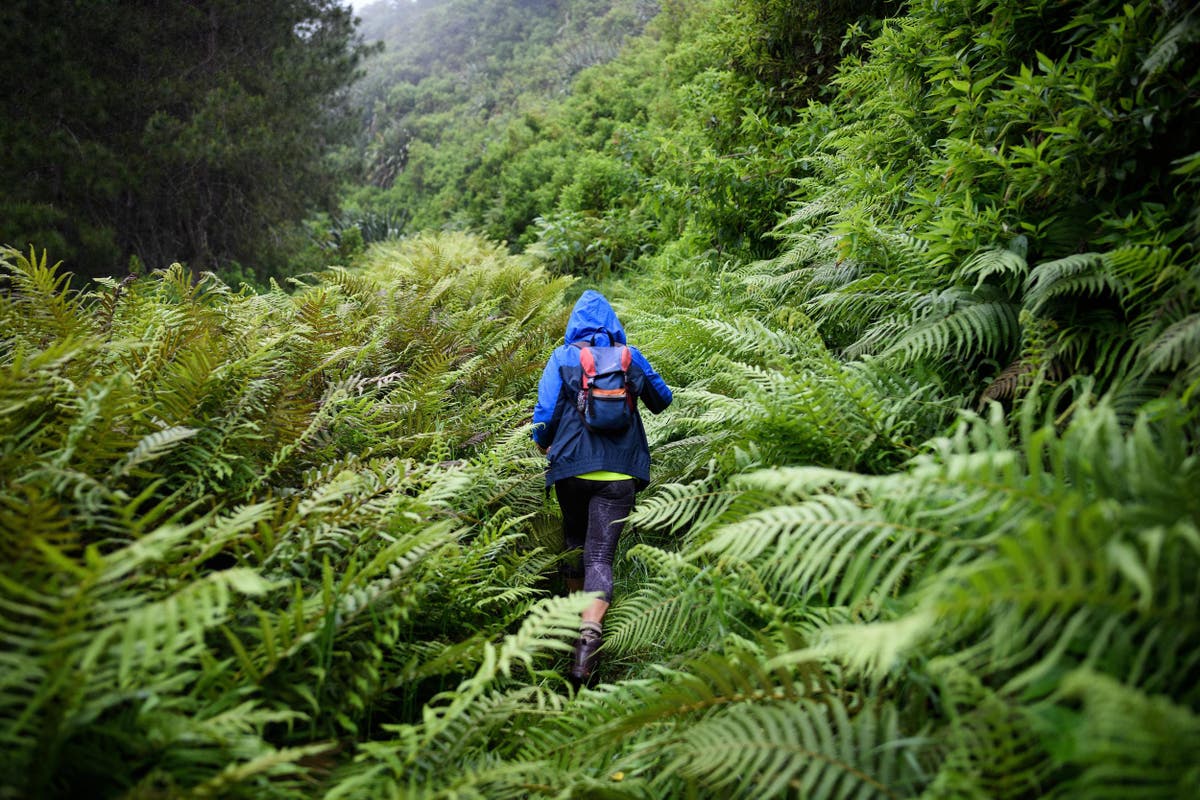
594	513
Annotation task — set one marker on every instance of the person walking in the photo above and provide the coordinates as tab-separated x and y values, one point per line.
587	423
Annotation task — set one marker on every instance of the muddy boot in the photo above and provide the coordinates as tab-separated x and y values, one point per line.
584	663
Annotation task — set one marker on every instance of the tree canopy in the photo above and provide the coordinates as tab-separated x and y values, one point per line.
177	130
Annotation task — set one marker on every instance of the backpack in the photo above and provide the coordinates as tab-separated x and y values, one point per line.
606	397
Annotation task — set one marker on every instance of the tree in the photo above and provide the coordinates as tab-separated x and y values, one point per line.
169	130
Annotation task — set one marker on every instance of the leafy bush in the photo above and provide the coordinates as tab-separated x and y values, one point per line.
589	244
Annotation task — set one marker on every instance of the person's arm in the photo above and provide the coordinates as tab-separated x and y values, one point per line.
653	391
545	419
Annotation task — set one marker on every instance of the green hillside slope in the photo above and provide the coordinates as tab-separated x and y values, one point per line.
923	519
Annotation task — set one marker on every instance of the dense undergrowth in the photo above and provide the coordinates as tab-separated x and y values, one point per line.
923	520
236	522
229	572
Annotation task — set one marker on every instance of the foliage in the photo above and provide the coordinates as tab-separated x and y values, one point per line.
1034	215
453	89
227	516
973	625
295	544
689	131
178	132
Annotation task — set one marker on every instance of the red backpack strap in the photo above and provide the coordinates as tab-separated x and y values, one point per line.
587	363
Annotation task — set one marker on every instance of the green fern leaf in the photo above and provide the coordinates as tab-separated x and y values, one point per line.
802	747
151	447
1175	348
968	325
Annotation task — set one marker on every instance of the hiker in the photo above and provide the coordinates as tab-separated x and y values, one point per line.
587	422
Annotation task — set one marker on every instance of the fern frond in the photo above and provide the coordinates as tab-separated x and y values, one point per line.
860	301
49	308
992	746
959	326
799	747
749	337
826	548
151	447
282	766
1084	274
667	608
1006	264
1166	48
1175	348
1130	742
675	506
551	625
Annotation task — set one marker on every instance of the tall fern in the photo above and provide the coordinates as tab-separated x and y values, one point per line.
227	515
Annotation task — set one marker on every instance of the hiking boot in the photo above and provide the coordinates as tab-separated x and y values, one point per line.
584	663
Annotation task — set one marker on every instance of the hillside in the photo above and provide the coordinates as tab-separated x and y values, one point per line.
923	519
453	77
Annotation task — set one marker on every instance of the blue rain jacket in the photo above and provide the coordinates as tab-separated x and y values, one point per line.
557	424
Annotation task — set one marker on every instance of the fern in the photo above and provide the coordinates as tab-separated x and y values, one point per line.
1176	347
1131	742
803	747
84	650
697	505
1075	275
217	508
669	603
239	527
43	307
991	747
151	447
959	326
987	265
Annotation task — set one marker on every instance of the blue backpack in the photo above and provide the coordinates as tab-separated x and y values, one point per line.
606	397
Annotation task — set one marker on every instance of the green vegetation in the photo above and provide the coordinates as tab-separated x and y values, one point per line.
234	521
138	134
924	519
459	88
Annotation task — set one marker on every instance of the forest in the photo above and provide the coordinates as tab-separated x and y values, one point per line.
277	284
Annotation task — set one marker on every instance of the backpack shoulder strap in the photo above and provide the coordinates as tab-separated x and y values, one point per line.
587	362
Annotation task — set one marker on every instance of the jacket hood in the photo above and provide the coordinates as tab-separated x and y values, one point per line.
593	315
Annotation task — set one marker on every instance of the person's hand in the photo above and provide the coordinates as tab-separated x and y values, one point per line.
542	450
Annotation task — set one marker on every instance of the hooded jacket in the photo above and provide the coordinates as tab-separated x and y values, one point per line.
557	424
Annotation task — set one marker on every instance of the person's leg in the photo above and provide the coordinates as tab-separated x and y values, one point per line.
609	506
573	501
607	510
